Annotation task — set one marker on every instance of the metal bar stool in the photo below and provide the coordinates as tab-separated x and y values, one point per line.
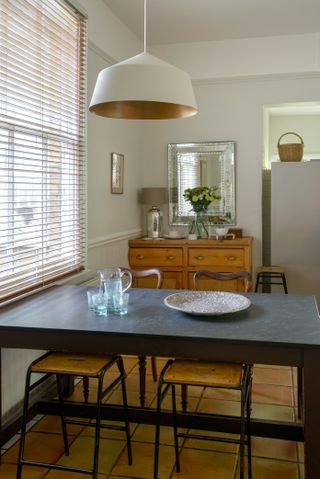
267	275
206	374
86	365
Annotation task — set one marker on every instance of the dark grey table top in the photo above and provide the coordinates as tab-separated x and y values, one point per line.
276	319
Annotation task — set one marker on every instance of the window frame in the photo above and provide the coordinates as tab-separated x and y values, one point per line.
74	156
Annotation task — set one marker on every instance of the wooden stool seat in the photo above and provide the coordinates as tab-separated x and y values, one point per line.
203	373
270	269
72	364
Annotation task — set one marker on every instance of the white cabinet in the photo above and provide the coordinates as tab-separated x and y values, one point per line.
295	224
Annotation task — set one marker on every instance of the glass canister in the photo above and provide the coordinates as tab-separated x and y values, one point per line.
154	223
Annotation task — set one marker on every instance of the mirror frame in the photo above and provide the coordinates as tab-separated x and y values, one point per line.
226	152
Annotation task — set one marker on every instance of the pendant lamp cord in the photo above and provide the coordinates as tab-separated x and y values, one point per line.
145	27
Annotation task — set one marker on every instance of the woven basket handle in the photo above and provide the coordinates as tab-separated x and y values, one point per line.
290	133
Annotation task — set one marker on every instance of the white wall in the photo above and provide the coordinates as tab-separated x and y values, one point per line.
235	79
230	110
112	218
107	32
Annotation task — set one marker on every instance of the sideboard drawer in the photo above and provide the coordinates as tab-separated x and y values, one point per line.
216	257
178	259
154	257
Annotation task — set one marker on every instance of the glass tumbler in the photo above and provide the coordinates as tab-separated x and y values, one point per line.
100	304
120	303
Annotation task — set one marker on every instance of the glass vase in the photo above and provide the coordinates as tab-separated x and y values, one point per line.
199	226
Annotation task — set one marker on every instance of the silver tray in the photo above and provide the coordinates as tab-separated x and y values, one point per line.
207	303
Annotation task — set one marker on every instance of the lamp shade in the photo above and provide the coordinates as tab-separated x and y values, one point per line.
143	87
154	196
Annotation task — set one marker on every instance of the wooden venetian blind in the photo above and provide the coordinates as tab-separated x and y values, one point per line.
42	143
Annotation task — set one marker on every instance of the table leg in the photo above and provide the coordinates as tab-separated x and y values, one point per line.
311	413
0	403
85	382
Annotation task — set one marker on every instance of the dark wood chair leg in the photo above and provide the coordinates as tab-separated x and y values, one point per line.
154	368
184	397
85	385
142	377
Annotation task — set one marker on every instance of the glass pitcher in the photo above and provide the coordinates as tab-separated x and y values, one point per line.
113	282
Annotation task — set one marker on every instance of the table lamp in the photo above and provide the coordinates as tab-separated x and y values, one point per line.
154	197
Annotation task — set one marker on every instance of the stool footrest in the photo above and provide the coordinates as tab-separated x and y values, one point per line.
204	437
78	422
55	466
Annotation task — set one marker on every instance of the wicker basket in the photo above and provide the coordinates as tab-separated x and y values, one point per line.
290	151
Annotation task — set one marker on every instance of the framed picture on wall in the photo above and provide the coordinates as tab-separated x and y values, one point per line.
117	173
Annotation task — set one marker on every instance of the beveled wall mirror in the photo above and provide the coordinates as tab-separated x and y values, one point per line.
190	165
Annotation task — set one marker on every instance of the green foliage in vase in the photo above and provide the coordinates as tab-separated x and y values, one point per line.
200	197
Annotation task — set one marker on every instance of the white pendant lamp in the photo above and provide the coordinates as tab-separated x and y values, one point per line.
143	88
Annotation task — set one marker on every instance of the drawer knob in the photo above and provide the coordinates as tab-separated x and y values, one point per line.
231	258
170	258
200	258
140	256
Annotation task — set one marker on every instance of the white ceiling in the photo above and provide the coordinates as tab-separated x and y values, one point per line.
176	21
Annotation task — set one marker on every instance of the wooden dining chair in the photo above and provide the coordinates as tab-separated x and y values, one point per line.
137	276
218	276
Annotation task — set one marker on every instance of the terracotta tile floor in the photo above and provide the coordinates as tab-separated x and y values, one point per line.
274	396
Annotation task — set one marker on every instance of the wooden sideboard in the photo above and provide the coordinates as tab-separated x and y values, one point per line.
179	259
